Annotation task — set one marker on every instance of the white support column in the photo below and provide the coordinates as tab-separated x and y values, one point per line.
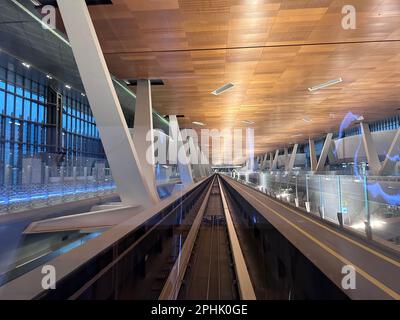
331	153
185	171
313	155
275	161
264	162
292	158
194	156
271	160
118	145
389	164
370	150
324	152
143	128
286	157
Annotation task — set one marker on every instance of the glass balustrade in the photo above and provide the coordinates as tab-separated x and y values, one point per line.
369	206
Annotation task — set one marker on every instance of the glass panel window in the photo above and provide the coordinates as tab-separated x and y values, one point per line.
27	109
10	87
10	104
2	101
18	108
34	112
41	114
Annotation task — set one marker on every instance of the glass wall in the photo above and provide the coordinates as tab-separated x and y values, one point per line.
50	149
365	205
23	123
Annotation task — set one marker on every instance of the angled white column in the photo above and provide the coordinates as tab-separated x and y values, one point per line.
271	160
175	146
292	158
104	103
264	162
331	153
286	157
324	152
313	155
275	161
389	164
143	136
374	163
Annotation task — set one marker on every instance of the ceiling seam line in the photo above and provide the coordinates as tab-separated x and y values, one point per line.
256	47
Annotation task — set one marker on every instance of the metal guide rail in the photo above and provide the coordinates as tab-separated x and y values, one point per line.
211	264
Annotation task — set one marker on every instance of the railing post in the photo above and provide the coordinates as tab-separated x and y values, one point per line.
368	229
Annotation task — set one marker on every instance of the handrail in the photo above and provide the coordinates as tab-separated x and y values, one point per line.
246	290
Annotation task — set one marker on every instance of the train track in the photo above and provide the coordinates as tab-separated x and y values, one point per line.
207	268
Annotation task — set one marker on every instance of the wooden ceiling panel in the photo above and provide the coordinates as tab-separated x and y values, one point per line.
272	50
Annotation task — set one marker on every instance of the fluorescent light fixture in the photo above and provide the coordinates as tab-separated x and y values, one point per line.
198	123
247	122
83	95
68	86
296	135
222	89
307	119
26	65
325	84
49	76
127	82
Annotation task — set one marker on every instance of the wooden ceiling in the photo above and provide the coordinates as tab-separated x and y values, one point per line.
271	50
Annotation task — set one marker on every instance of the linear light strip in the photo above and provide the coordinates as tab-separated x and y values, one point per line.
325	84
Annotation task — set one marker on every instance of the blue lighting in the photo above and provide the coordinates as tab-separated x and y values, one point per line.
26	197
375	189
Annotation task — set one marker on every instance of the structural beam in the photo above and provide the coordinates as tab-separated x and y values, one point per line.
275	161
264	162
143	136
313	155
374	163
176	146
118	145
332	153
271	159
286	157
292	158
324	152
392	156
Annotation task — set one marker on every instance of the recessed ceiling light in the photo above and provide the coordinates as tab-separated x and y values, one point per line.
247	122
26	65
307	119
68	86
198	123
222	89
49	76
325	84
